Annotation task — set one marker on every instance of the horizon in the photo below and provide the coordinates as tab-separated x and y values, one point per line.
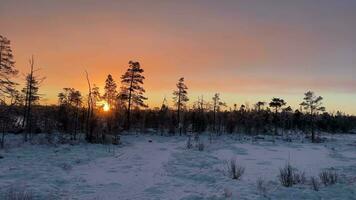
247	51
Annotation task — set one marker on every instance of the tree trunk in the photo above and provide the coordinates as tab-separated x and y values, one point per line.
129	104
179	123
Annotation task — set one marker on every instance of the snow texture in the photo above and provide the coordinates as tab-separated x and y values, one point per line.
166	169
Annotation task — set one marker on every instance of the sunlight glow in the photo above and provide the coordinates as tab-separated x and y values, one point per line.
106	107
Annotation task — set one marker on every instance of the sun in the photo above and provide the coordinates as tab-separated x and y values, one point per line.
106	107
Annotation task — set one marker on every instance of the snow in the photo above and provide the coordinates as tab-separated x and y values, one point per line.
165	169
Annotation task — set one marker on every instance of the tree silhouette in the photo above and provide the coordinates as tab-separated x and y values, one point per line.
277	104
217	104
180	99
132	91
31	96
259	105
96	96
110	94
71	100
312	104
7	67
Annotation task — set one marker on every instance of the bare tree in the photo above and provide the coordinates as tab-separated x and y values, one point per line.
89	116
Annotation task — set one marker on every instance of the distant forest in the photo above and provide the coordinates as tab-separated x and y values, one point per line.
102	118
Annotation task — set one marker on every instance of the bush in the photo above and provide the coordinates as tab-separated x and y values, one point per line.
315	183
189	144
65	166
18	193
286	176
299	178
328	177
234	170
201	146
261	186
289	176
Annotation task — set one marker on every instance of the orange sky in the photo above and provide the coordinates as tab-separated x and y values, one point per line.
246	50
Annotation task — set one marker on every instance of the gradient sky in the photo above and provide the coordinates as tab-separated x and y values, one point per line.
247	50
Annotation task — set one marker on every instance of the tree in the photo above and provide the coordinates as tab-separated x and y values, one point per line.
132	91
110	94
180	98
89	114
277	104
312	104
217	104
96	96
7	67
31	96
259	105
71	100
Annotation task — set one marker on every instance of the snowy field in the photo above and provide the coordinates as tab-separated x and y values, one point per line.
159	167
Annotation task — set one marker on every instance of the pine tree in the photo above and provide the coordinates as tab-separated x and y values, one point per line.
7	67
312	104
132	91
217	104
31	97
277	104
180	98
110	91
259	105
71	99
96	96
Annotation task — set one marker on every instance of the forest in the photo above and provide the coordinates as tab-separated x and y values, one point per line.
121	108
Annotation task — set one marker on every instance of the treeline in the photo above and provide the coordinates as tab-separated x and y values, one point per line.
102	117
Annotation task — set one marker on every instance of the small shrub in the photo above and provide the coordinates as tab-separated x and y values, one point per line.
286	176
261	187
235	171
18	193
299	178
189	144
328	177
289	176
201	146
227	193
315	183
66	167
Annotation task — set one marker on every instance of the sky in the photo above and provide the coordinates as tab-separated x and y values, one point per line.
246	50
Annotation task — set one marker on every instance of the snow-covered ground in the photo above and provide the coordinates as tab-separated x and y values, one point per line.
166	169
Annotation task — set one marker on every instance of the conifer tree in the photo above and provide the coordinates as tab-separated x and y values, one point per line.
31	97
110	91
217	104
7	67
312	104
180	99
276	104
132	91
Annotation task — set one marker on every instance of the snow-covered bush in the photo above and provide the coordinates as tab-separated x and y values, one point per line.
286	175
227	193
235	171
262	186
328	177
18	193
289	176
66	167
315	183
201	146
189	144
